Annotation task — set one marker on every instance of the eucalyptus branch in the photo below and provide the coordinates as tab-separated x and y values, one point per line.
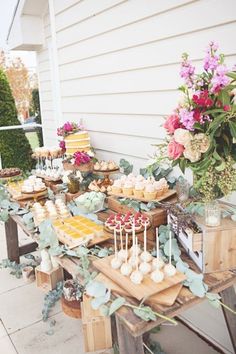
152	312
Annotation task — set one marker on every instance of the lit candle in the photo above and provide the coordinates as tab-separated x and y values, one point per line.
170	246
157	243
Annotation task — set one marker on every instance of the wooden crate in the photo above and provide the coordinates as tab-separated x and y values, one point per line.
96	328
48	280
191	239
157	216
215	250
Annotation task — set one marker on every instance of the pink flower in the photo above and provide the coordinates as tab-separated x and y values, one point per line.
68	127
226	108
211	60
172	123
62	145
174	150
81	158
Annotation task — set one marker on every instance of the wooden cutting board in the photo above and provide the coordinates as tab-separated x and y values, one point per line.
146	289
166	297
78	242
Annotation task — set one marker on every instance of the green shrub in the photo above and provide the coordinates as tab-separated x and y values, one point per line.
15	149
35	109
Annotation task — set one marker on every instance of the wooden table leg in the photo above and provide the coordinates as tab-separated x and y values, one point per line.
127	343
13	252
229	298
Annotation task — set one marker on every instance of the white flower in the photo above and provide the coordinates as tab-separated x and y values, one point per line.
204	142
79	175
191	154
182	136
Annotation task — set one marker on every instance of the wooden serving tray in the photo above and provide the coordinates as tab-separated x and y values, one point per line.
139	291
166	297
95	241
34	196
168	194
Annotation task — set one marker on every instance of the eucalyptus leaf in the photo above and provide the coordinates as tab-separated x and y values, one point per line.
4	215
96	289
116	304
145	313
198	288
104	310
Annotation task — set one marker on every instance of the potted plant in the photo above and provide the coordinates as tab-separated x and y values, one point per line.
71	298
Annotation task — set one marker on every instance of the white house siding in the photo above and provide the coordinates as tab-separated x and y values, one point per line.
119	62
46	84
119	69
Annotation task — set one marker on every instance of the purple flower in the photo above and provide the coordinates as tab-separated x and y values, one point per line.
211	62
187	71
187	118
219	80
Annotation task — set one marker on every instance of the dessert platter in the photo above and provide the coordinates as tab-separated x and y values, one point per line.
48	152
99	185
33	185
124	223
8	173
103	166
50	174
137	271
140	188
79	230
50	210
32	188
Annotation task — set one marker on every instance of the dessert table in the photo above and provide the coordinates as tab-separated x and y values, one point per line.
131	329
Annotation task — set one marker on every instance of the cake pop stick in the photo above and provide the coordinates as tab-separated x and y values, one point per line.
145	237
157	262
169	269
136	277
115	262
145	255
126	268
122	252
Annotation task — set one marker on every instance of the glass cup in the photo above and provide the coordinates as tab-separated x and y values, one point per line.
212	214
182	190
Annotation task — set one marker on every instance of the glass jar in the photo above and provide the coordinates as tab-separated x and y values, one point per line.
212	214
182	189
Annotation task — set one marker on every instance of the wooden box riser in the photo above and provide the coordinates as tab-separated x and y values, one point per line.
194	241
48	281
157	216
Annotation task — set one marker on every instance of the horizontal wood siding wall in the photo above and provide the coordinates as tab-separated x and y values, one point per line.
46	85
119	63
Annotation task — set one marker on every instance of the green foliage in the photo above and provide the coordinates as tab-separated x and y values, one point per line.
159	170
125	167
6	206
35	108
16	269
15	149
50	300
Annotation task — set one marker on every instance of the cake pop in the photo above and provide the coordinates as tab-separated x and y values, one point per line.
157	276
169	269
136	276
157	262
126	268
115	262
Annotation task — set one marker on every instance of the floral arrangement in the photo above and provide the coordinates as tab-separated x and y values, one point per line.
202	129
81	158
68	128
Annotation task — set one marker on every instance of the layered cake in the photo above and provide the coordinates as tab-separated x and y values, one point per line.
79	141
